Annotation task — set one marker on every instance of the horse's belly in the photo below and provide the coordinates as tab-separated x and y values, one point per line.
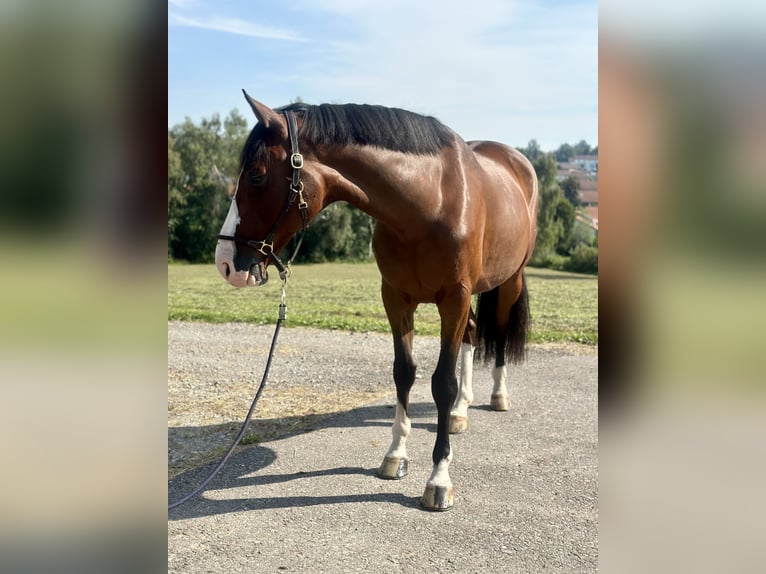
502	255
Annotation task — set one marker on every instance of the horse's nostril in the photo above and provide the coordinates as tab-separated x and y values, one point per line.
228	270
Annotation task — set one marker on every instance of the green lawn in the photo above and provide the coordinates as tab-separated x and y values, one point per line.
347	296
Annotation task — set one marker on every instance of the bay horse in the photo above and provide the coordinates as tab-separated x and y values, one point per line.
453	219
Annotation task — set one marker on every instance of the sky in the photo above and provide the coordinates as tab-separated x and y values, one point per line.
503	70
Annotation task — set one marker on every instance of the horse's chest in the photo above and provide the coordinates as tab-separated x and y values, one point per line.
422	268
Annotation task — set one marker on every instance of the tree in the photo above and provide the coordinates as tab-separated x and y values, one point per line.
235	132
363	226
555	217
545	168
565	153
564	218
175	195
570	186
532	151
197	204
582	148
581	234
583	259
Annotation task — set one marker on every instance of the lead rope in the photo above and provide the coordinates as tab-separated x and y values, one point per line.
259	392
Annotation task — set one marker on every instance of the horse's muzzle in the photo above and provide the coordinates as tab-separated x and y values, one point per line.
258	274
253	276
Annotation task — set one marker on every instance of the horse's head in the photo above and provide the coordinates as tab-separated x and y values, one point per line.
264	213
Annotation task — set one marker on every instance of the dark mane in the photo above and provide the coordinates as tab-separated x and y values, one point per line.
388	128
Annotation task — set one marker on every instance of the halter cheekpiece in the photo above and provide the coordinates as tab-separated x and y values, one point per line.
266	245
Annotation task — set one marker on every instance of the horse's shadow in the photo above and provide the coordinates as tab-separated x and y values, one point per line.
243	467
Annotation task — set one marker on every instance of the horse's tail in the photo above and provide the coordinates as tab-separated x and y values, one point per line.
512	342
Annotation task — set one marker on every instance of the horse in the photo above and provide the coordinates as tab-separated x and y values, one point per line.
453	219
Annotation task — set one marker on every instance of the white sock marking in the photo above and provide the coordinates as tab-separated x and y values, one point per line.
499	375
465	392
440	473
400	431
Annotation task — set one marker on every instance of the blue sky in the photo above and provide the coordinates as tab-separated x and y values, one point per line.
504	70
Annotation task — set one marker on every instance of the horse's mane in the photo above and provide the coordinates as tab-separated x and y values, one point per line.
362	124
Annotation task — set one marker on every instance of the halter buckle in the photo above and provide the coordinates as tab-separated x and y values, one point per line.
296	160
264	246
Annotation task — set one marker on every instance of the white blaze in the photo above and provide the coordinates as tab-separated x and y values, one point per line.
224	250
232	219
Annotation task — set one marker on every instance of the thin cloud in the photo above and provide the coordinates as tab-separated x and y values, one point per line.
236	26
534	67
509	70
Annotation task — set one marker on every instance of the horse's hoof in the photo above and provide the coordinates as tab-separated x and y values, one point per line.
457	424
500	402
439	498
393	468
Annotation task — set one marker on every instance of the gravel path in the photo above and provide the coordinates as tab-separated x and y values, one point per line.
214	371
525	481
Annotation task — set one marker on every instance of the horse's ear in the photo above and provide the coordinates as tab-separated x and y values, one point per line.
271	120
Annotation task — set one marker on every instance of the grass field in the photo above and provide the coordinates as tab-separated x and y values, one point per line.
347	296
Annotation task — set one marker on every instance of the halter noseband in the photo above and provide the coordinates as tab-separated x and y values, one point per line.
266	246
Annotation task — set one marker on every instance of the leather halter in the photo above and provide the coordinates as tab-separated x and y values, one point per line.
266	245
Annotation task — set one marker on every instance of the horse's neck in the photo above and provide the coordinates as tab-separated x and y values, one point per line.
390	186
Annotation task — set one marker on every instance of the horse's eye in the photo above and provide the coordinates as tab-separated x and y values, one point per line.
258	178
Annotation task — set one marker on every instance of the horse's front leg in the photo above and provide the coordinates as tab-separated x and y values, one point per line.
453	310
400	315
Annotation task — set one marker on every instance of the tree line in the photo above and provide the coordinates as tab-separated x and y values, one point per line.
563	242
203	162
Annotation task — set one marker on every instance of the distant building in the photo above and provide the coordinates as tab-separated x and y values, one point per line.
585	169
588	191
586	163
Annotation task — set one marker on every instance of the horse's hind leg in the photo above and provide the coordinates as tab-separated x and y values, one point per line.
400	316
512	318
458	417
